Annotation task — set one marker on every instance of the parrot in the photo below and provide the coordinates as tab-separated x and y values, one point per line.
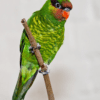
47	27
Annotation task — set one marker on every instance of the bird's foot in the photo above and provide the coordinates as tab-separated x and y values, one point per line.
44	70
31	48
38	46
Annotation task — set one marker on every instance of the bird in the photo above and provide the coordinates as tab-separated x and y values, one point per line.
47	27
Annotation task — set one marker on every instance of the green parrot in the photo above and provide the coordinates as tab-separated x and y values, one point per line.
47	27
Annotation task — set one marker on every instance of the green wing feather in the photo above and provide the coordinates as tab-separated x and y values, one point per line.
22	43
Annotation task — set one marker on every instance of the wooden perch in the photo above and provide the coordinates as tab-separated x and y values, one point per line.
39	59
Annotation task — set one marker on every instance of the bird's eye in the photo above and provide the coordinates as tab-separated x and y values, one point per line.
67	9
57	5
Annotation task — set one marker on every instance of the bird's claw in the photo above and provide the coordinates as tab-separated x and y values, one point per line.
44	72
38	46
31	48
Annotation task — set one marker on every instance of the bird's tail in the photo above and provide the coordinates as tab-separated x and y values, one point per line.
21	89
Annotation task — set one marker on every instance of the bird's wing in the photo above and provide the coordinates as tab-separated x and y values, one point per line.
22	42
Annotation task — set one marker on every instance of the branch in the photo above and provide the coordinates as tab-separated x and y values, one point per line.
39	59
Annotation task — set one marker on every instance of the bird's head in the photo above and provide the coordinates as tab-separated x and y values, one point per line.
59	9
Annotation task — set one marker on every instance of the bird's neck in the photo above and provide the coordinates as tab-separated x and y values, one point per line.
47	13
50	18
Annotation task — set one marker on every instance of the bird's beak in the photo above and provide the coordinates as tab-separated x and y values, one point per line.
65	14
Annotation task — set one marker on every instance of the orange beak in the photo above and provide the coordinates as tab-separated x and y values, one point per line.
65	14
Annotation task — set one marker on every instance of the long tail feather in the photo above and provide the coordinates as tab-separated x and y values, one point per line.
20	89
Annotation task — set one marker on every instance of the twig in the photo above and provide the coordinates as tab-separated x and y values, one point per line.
39	59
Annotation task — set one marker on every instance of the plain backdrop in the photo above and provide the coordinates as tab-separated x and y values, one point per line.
75	71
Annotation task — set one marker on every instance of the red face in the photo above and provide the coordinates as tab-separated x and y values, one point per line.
61	12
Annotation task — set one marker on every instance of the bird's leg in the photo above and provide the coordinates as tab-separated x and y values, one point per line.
44	70
31	48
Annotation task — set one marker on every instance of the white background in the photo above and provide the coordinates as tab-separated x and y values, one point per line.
75	71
